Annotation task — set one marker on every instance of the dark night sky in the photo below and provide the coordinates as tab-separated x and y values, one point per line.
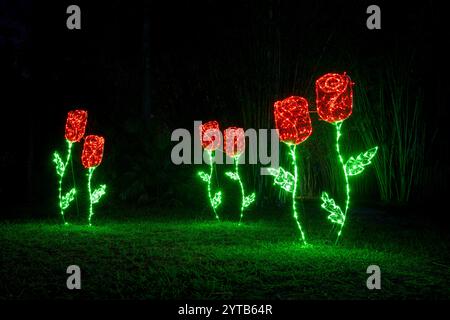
201	53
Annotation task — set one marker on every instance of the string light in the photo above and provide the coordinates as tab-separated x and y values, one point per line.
74	132
234	145
334	99
283	178
293	125
91	158
210	135
76	125
92	151
234	141
292	120
210	139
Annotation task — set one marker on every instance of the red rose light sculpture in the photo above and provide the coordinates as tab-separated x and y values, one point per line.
210	135
292	120
334	99
210	139
293	125
76	125
92	151
74	132
234	146
234	141
91	158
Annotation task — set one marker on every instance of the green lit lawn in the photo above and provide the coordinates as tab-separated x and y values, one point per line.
144	259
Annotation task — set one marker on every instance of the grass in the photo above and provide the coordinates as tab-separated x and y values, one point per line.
161	258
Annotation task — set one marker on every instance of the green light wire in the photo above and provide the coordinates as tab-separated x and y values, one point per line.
213	200
236	162
91	212
294	192
341	160
95	196
61	168
246	200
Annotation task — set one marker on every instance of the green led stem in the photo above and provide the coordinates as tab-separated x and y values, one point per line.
215	200
236	165
63	201
246	200
347	185
294	192
352	167
95	196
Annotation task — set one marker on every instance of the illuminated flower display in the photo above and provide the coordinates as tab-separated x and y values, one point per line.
234	141
292	120
76	125
91	157
210	135
92	151
334	97
75	128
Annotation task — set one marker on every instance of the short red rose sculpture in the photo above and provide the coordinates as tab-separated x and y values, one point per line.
234	146
76	125
92	151
210	137
91	158
334	97
293	124
234	141
292	120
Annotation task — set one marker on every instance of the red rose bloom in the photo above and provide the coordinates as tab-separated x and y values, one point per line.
92	151
334	97
76	125
292	120
210	135
234	141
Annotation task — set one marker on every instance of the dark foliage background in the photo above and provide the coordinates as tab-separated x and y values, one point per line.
145	69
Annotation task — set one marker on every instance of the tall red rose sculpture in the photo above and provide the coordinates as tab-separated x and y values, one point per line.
334	100
234	146
74	132
293	124
210	135
334	97
76	125
210	138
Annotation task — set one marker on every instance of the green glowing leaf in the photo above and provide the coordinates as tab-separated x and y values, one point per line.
283	178
98	193
232	175
68	198
354	166
248	200
59	164
204	176
217	199
336	215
